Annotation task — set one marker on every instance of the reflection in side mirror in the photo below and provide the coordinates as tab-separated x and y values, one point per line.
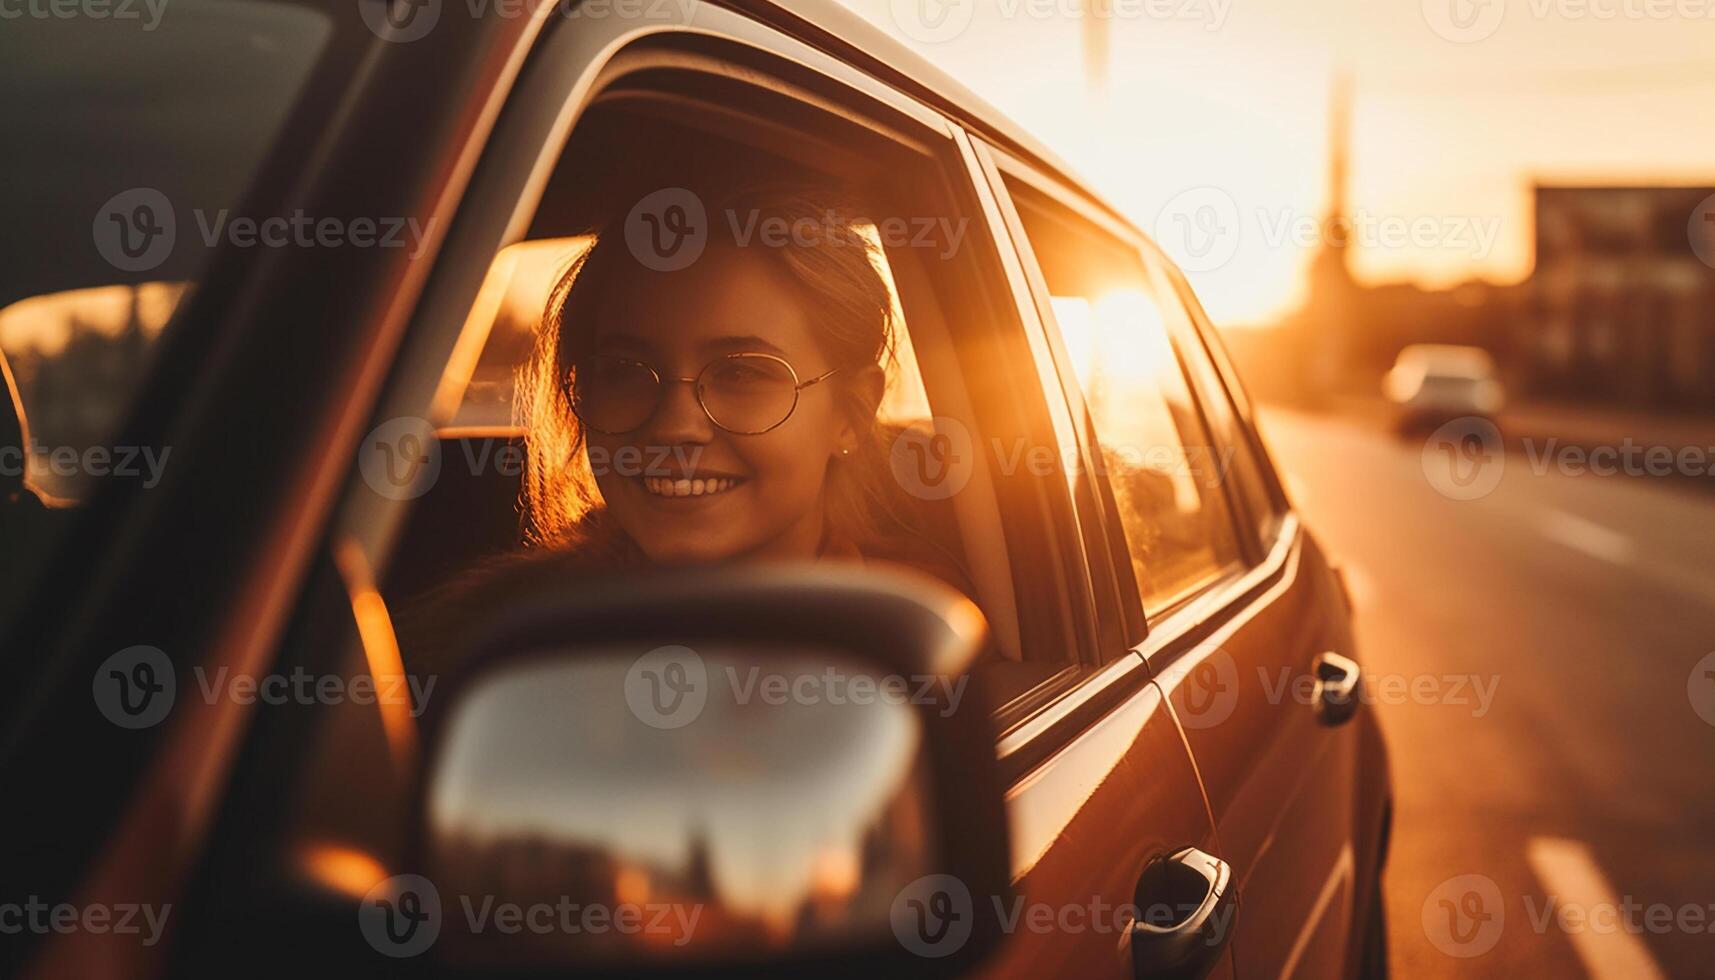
731	827
752	787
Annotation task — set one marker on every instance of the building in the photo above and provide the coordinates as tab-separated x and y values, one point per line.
1622	301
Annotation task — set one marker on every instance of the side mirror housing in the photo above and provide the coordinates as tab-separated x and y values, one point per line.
780	769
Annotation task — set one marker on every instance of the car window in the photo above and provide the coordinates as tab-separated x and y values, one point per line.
944	504
1239	464
1161	468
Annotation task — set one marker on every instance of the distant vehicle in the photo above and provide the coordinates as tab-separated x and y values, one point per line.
1433	384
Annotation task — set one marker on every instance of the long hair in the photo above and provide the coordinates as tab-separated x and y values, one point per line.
837	274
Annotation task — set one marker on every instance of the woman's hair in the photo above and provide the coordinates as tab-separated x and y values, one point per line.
835	270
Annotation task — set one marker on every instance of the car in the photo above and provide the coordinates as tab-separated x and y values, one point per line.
1431	385
282	258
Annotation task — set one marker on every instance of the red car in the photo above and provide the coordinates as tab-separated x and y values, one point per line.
278	263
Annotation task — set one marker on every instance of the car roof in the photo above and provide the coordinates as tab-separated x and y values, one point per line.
830	26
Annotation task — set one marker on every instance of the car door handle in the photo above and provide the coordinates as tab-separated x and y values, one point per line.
1336	692
1186	904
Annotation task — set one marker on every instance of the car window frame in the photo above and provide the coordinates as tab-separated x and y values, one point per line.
1084	207
497	210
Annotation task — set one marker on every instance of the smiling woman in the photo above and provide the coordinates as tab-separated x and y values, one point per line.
726	409
756	372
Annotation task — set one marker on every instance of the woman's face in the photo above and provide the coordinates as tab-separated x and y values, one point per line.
761	495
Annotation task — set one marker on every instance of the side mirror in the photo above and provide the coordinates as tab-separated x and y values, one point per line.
775	770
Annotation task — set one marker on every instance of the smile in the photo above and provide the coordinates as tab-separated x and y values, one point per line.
663	487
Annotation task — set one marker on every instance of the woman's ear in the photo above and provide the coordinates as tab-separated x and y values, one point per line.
868	385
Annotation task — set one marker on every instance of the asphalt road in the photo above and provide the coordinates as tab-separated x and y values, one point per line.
1565	824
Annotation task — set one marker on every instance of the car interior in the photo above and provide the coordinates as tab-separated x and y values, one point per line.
650	131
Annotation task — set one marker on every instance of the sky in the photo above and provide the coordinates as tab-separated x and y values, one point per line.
1215	115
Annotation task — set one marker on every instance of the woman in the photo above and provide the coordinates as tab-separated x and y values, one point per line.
720	412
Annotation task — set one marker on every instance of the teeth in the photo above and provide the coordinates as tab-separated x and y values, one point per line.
686	488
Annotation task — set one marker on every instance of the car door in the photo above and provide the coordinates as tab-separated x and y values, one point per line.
1241	616
1103	790
1355	769
1089	743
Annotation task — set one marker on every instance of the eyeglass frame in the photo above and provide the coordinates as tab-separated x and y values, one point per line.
661	383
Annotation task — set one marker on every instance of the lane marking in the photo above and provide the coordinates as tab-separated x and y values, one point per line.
1614	547
1569	872
1589	537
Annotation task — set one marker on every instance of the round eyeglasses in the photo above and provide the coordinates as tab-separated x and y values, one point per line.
745	394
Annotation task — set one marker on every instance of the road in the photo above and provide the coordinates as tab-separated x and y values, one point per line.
1566	826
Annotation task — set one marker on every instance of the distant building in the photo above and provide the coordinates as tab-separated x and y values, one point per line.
1622	307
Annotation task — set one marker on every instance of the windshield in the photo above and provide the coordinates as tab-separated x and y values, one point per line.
127	133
